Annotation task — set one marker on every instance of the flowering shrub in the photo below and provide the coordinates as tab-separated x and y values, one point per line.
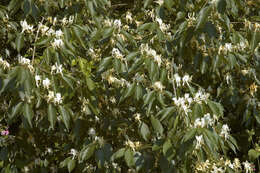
129	86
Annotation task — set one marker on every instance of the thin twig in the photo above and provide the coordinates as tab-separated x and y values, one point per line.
34	47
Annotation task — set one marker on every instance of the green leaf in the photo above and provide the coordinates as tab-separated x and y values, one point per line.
202	19
129	157
255	40
166	112
138	92
104	64
118	154
19	41
43	41
71	165
253	154
145	132
90	83
65	116
189	135
146	3
157	125
166	146
221	6
52	115
16	109
132	55
68	81
87	152
28	113
216	108
12	4
149	97
78	33
129	91
26	7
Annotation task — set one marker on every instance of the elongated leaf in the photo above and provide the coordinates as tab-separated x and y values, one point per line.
104	64
129	157
65	116
157	125
28	113
120	153
145	132
189	135
52	115
71	165
19	41
203	15
16	109
87	152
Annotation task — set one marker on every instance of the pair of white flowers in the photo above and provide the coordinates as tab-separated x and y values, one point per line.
182	81
56	98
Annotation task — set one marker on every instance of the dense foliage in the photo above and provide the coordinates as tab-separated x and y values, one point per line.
129	86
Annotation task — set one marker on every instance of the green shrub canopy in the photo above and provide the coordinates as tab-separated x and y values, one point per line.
129	86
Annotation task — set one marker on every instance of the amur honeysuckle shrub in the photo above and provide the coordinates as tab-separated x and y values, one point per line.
130	86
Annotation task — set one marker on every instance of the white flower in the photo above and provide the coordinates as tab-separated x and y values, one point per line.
208	119
57	43
158	86
160	2
57	68
158	59
186	79
43	28
46	83
199	141
71	19
199	122
92	132
73	152
248	167
116	53
24	61
37	79
58	34
177	79
50	32
128	17
225	131
117	23
228	47
57	99
137	116
64	21
50	96
25	26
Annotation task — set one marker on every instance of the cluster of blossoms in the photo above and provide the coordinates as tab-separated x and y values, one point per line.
158	86
146	50
186	79
221	166
116	23
113	80
26	27
51	97
183	102
132	145
228	47
56	69
191	19
117	54
26	62
4	63
225	131
201	96
199	141
205	121
164	27
56	99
